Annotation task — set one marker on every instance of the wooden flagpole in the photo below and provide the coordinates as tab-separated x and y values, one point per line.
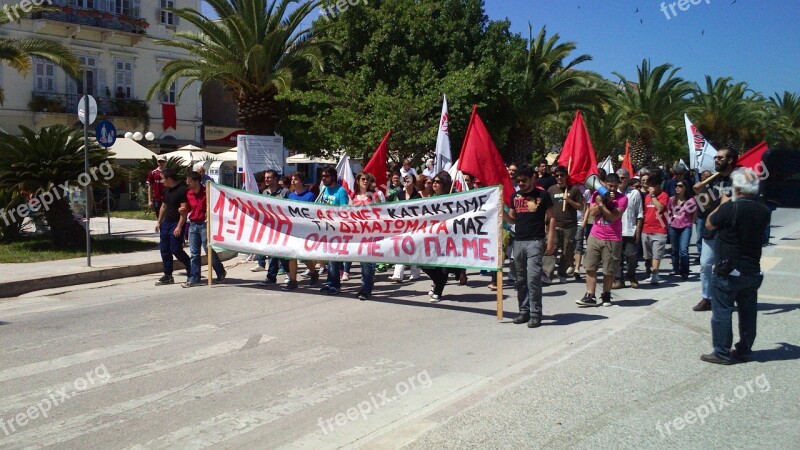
500	259
208	231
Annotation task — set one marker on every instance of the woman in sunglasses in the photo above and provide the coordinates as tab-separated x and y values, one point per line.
441	186
682	210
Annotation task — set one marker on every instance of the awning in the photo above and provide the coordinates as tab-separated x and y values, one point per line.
302	158
128	149
190	147
190	156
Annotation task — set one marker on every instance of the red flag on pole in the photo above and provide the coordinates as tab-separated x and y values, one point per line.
626	162
578	153
480	157
377	165
752	157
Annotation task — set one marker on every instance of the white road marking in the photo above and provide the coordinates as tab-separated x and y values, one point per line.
142	408
24	400
229	425
100	353
769	262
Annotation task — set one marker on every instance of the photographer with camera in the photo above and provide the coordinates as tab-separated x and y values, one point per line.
740	221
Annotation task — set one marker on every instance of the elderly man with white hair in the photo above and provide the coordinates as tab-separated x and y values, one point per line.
740	221
200	167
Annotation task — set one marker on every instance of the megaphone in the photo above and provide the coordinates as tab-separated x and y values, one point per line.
594	183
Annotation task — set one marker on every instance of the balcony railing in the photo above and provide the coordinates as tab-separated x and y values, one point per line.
95	18
108	106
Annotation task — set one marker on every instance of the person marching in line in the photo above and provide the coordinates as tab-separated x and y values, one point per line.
535	225
632	222
441	186
566	225
364	194
198	239
409	192
333	194
682	210
301	194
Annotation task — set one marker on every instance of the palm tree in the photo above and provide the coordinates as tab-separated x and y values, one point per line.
252	50
784	125
45	162
551	86
652	109
729	114
17	53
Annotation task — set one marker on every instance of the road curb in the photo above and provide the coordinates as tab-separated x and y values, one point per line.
20	287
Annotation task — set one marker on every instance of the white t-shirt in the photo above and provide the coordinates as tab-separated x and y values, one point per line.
404	172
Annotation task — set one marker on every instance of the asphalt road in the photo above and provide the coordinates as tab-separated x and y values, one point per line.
126	364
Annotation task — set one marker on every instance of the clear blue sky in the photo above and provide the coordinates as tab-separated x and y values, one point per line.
756	41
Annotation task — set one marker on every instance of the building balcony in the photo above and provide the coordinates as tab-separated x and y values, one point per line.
126	23
46	102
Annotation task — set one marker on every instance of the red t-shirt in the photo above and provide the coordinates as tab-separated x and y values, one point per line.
197	205
156	183
655	222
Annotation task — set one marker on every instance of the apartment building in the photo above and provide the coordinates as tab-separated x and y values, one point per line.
114	40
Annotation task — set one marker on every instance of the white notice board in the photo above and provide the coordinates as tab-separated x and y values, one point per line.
263	152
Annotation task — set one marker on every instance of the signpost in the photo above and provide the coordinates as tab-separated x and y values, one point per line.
106	135
87	104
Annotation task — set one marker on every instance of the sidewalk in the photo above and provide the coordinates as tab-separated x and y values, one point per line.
18	279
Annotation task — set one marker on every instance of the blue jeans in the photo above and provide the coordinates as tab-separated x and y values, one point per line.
367	277
346	266
699	226
706	262
334	279
528	259
170	245
680	238
729	293
261	260
197	241
274	265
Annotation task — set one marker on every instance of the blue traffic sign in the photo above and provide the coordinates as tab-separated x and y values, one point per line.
106	133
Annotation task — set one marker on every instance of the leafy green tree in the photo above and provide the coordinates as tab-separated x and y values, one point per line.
9	201
729	114
44	162
784	125
652	110
397	59
256	50
17	54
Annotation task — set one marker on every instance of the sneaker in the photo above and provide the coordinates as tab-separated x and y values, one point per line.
269	280
562	279
413	278
221	278
290	286
306	274
332	291
570	270
634	283
314	281
190	283
577	276
363	296
618	284
281	271
435	298
165	280
258	269
606	298
655	279
587	300
286	280
324	289
396	280
522	318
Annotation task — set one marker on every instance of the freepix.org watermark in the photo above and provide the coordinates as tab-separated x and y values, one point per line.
375	402
683	5
339	7
26	6
45	198
99	375
713	406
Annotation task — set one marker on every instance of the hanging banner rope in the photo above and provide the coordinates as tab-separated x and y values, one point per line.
457	230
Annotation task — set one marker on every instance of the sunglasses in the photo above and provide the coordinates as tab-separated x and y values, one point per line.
680	185
437	181
559	175
326	176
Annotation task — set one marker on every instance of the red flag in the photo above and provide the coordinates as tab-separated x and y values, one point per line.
626	162
377	165
480	158
170	119
578	153
752	157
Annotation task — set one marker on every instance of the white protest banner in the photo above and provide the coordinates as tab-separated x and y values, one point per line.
456	230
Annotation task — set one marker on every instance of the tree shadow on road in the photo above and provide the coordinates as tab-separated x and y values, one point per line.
784	352
570	318
776	308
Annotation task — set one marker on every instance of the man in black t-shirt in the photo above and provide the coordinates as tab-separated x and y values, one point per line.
566	225
532	213
741	222
170	225
708	198
545	180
